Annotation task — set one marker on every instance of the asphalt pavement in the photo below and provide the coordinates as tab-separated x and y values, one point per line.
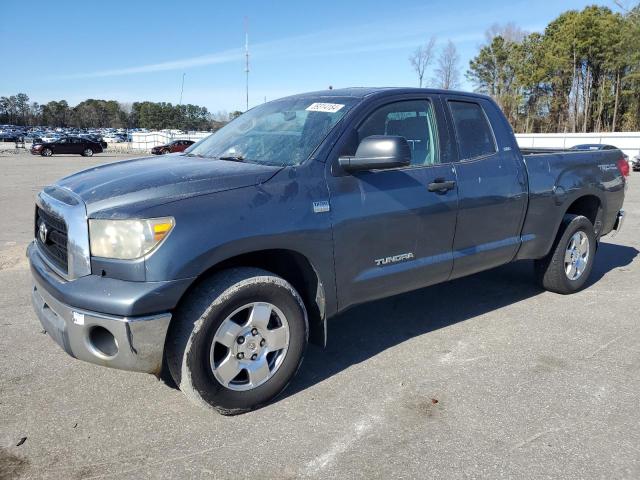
482	377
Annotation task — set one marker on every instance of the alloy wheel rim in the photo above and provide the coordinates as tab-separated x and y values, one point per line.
249	346
576	256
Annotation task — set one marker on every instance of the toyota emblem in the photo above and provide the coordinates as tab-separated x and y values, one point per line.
43	232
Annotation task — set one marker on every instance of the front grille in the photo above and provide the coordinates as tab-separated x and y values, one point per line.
55	245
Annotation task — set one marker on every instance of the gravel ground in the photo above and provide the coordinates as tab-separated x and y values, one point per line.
486	376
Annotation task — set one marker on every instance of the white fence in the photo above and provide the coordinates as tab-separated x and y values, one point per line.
628	142
140	142
146	141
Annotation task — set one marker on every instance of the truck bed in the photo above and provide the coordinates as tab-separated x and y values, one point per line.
557	178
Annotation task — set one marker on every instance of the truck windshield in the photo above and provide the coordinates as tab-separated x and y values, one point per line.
282	132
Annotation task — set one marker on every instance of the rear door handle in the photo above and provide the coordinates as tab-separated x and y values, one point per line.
440	185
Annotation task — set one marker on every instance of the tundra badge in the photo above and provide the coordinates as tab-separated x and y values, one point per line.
395	259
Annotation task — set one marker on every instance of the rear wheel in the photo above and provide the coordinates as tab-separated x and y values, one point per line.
87	152
237	340
47	152
568	266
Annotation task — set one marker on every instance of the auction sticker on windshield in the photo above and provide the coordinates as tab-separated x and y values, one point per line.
324	107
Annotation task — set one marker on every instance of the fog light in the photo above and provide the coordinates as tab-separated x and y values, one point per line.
103	341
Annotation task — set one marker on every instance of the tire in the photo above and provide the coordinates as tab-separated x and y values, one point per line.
565	269
87	152
192	349
47	152
164	152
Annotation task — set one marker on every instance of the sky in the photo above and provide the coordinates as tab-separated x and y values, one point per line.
139	50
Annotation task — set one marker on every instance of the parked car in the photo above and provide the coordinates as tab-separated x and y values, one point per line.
635	163
172	147
69	145
224	269
50	137
593	146
10	136
114	139
32	137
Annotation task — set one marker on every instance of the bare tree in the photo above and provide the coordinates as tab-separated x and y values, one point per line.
126	107
422	58
626	8
221	116
509	31
448	71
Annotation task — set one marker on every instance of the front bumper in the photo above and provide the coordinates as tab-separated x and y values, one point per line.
125	338
135	343
112	296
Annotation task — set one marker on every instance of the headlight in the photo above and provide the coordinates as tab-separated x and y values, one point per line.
127	239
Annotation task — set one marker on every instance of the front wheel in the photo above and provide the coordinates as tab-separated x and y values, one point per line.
87	152
568	266
237	340
47	152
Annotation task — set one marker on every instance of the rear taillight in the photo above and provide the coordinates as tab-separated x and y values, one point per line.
623	166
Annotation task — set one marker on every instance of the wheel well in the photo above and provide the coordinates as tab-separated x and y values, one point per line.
588	206
296	269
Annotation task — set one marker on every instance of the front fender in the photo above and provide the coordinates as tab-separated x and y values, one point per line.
276	215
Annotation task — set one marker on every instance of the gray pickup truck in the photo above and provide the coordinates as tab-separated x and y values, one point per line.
221	263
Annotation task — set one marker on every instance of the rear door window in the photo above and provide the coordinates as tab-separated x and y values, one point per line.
473	131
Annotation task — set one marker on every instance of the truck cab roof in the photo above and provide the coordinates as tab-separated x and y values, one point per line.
362	92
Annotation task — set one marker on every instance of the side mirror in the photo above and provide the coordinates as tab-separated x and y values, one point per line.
378	152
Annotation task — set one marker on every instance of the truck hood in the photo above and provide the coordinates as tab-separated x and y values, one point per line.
150	181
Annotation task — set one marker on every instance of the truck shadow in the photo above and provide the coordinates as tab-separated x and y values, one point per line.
366	330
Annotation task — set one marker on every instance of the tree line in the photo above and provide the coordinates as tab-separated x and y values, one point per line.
582	74
19	110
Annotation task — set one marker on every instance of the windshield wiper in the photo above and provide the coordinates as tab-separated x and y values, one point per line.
233	158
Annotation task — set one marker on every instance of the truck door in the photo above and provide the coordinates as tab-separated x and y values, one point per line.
391	233
492	186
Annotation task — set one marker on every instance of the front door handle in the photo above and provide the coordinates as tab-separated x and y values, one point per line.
440	185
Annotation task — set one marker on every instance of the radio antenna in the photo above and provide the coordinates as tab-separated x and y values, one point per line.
246	57
182	89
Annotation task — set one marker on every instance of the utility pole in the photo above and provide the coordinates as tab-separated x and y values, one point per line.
246	57
182	88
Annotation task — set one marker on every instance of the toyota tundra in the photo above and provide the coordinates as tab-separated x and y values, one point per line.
221	263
